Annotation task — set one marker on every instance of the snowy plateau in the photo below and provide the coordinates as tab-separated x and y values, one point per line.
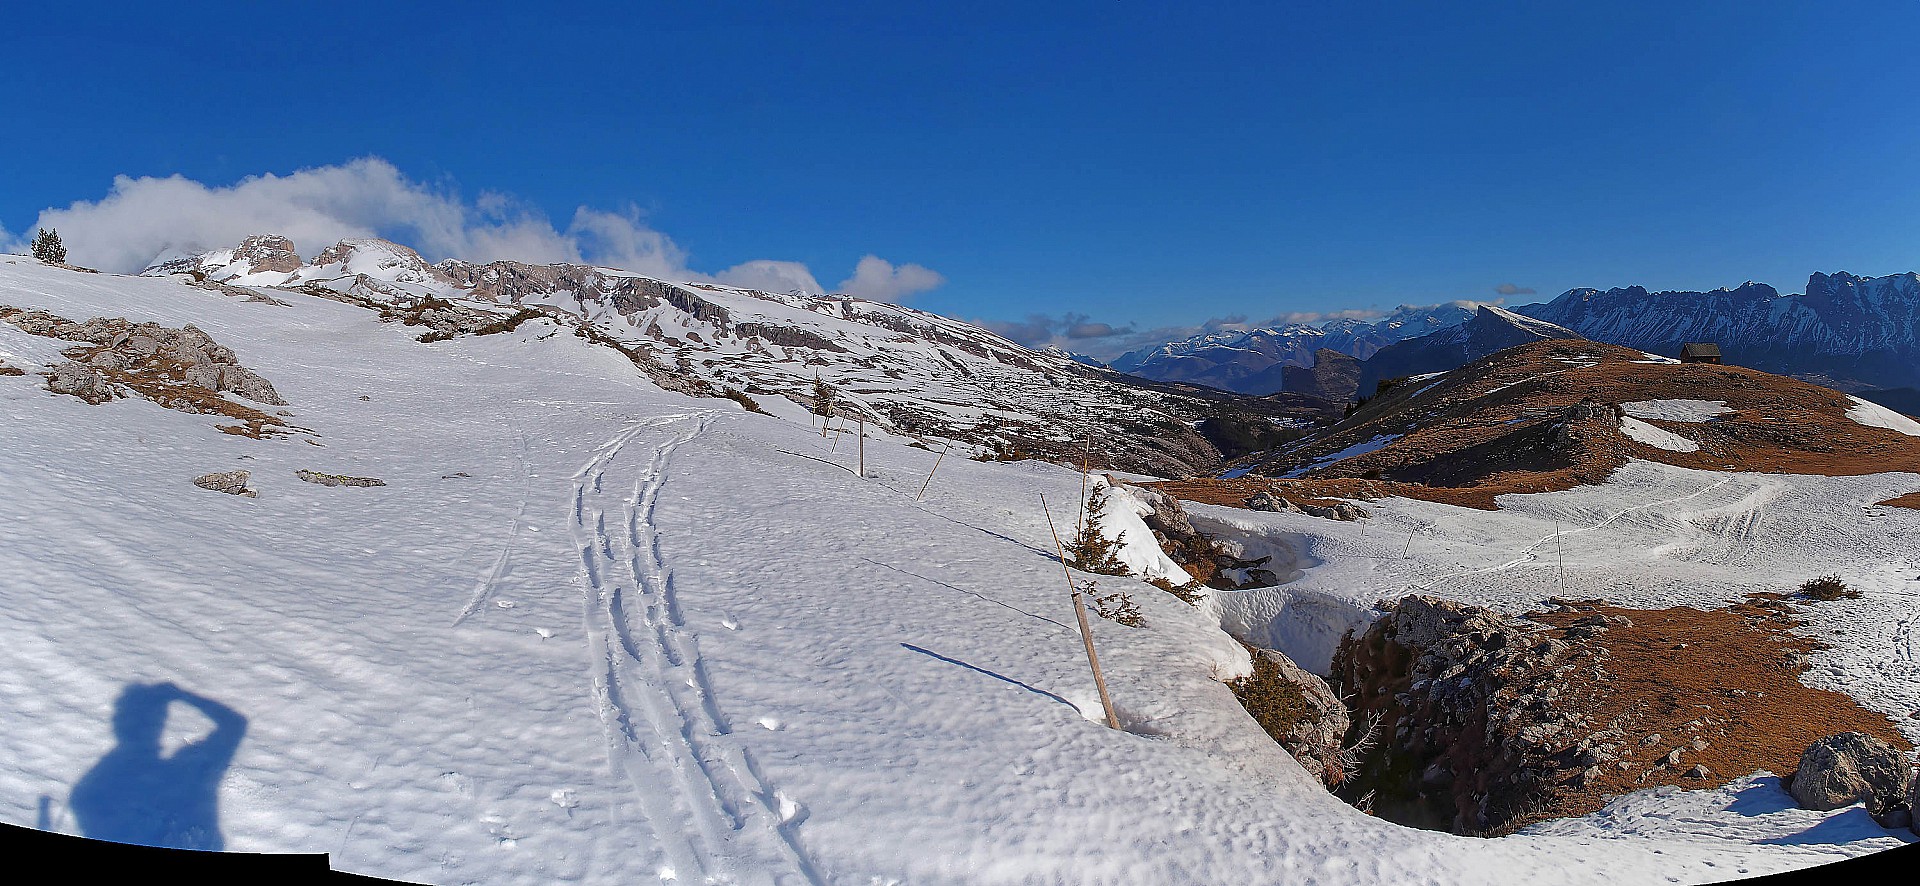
593	630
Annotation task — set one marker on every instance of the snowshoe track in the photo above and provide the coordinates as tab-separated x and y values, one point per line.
710	809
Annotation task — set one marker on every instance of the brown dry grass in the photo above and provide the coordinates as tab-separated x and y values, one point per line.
1728	676
1488	429
1910	500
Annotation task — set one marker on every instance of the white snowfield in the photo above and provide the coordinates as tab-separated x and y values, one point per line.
1677	410
591	631
1656	436
1874	415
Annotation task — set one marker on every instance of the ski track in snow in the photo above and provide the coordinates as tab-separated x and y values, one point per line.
483	589
706	802
1532	552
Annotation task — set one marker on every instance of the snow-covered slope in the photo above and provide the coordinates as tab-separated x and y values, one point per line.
1253	361
912	374
595	631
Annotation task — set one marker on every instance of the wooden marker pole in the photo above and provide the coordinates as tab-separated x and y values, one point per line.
1559	541
1086	631
936	466
863	445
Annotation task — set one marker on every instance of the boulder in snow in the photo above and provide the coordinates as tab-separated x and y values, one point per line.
82	381
230	482
337	479
1852	767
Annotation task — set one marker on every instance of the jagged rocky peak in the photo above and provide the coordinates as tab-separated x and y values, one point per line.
257	254
267	252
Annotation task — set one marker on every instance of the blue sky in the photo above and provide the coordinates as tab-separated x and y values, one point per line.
1137	166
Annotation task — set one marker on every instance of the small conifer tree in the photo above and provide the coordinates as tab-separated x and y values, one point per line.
1091	550
48	248
822	402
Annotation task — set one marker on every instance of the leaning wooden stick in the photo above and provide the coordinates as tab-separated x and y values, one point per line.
936	466
1080	609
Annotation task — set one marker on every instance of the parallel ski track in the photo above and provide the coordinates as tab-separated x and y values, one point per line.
711	810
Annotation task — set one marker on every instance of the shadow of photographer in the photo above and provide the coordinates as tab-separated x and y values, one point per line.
138	794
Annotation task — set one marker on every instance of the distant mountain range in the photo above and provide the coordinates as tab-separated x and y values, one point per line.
1490	329
1858	334
1847	332
1255	361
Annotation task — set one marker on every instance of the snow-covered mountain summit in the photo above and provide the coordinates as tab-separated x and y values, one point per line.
908	372
1253	361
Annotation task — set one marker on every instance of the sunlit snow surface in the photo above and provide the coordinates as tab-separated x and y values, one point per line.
638	637
1677	410
1656	436
1874	415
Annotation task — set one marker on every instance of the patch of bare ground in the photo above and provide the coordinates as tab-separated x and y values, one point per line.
1721	687
1910	500
1328	491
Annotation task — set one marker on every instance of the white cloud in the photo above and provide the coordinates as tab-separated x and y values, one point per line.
771	276
140	218
877	279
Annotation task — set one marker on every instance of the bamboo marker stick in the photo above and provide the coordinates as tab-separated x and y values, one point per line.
1559	541
1409	547
863	445
1086	466
936	466
1080	610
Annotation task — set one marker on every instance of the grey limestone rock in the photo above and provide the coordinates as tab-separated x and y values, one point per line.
1848	768
230	482
337	479
83	381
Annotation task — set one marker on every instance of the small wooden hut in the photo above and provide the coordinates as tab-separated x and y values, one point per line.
1700	352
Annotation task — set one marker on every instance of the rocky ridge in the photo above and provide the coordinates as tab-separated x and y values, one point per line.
906	372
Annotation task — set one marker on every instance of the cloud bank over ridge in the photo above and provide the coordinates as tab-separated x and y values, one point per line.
140	218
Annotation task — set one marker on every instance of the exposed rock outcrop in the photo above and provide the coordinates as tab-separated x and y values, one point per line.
1852	767
1210	566
337	479
182	369
230	482
1463	716
267	252
1267	501
1299	710
183	356
83	381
